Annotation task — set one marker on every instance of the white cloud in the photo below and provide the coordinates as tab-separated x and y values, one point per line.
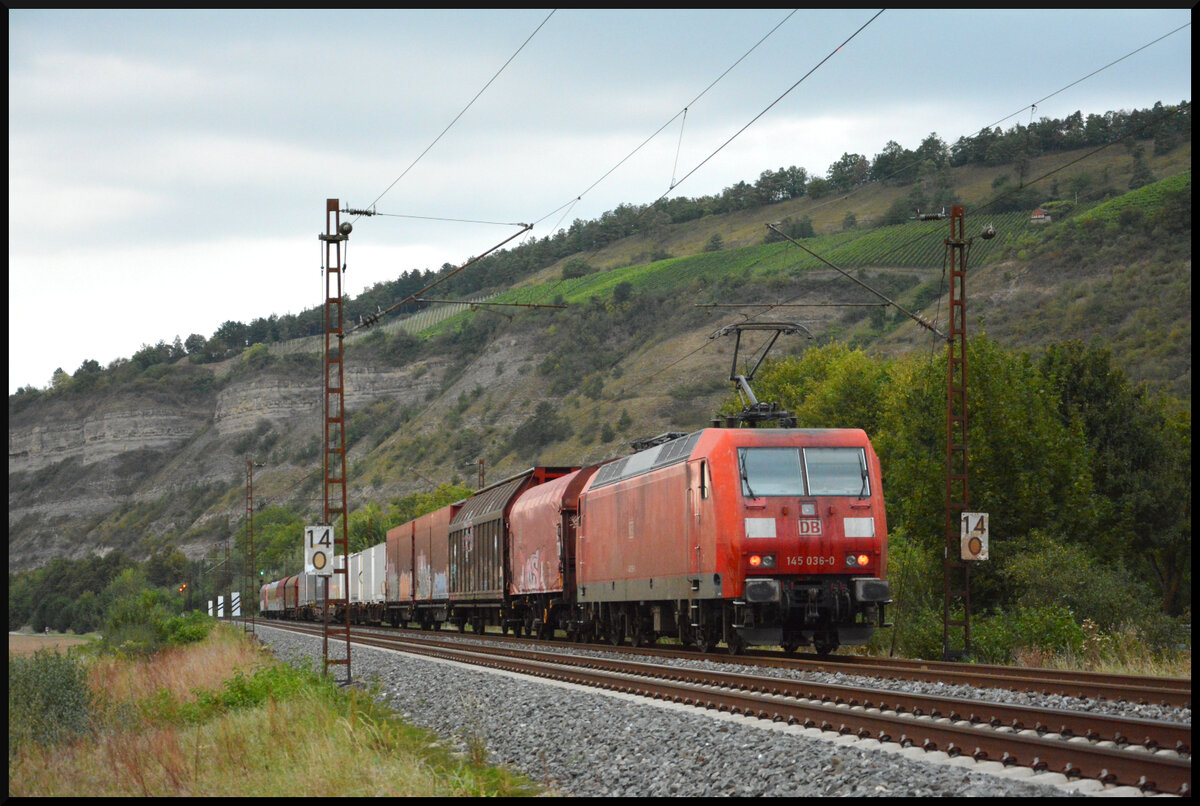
103	82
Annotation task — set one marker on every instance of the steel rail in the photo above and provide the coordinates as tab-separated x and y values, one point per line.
1161	772
1167	691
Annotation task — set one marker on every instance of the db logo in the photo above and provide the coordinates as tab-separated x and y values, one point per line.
810	527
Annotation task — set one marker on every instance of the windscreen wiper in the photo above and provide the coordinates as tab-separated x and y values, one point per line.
745	477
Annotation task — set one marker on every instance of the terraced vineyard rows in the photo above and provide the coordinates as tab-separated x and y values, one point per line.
914	244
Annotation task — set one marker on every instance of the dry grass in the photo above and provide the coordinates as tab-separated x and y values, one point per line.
178	671
22	644
284	749
319	739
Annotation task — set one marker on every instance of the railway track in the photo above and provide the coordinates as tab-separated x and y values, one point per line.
1148	754
1172	692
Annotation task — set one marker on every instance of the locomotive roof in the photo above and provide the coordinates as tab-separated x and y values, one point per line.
681	448
668	453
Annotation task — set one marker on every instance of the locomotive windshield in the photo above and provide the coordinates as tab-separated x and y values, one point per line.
823	471
837	471
770	471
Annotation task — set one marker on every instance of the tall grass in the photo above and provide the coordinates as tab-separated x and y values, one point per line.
220	718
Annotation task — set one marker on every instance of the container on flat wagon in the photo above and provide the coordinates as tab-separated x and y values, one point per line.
374	564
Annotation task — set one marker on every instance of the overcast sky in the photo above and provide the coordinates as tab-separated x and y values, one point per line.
168	170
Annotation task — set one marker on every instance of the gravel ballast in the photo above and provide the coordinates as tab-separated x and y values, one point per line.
583	743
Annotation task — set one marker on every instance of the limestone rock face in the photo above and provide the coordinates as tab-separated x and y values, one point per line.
119	428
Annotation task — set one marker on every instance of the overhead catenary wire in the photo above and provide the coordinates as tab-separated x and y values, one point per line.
678	148
769	306
675	184
375	317
772	104
921	320
670	121
577	199
1084	78
906	166
918	319
464	110
439	218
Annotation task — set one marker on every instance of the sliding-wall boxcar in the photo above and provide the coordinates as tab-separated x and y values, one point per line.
480	557
417	569
542	525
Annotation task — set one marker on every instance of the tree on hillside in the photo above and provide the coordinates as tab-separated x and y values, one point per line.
819	188
59	380
1142	175
797	229
933	150
233	334
848	171
895	165
194	344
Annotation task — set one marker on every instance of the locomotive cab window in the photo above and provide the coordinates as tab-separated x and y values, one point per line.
837	471
820	471
770	471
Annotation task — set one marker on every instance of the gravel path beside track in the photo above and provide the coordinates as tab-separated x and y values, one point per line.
582	743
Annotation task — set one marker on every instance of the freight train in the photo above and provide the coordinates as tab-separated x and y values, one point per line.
747	536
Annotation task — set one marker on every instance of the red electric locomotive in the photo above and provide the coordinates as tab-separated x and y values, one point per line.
751	536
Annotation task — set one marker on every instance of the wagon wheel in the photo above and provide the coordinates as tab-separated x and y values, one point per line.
616	631
477	625
706	639
789	646
825	644
736	644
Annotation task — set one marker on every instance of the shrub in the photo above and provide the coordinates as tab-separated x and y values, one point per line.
576	267
188	629
272	682
1002	636
136	624
543	428
48	699
1042	570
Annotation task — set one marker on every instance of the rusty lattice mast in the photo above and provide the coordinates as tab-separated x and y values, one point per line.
336	514
957	572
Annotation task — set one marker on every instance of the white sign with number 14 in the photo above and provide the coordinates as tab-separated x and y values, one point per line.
318	550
